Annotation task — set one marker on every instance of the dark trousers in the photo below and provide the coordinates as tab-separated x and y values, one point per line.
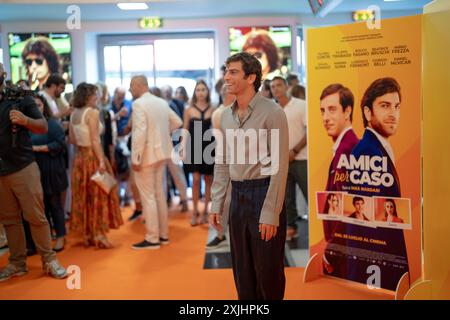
55	213
258	265
297	175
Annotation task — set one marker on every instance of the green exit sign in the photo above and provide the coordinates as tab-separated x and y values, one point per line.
150	23
363	15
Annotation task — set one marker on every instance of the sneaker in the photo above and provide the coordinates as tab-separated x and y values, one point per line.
59	245
145	245
136	214
216	243
11	271
164	241
54	269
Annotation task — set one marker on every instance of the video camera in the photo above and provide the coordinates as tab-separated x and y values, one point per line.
16	95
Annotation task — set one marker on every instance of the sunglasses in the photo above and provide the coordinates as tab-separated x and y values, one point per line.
38	61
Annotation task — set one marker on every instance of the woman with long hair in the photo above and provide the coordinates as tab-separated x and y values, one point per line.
331	204
390	212
198	117
181	95
94	211
49	153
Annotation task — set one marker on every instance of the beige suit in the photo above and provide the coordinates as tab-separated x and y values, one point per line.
153	121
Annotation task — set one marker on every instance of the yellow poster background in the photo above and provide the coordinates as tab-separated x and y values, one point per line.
406	142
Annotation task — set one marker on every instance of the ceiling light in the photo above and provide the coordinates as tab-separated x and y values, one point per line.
132	5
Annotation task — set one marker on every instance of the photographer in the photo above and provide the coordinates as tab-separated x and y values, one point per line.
20	184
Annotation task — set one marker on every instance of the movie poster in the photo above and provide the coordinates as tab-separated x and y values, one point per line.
364	134
35	56
271	45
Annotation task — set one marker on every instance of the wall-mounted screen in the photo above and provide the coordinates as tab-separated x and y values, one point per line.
35	56
270	44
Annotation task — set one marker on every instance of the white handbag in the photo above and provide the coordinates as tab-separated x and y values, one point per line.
105	181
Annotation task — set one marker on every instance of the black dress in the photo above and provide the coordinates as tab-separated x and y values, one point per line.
197	160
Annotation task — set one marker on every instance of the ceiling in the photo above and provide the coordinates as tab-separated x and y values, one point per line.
49	10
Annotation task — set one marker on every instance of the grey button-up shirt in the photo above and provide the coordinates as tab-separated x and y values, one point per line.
255	148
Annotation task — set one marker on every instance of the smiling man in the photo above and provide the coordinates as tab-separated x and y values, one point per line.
257	215
381	114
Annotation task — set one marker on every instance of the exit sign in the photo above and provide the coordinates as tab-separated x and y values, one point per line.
150	23
363	15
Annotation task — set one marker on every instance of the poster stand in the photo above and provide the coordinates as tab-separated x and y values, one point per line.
420	291
313	271
402	287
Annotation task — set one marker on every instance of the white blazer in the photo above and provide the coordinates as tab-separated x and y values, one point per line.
153	122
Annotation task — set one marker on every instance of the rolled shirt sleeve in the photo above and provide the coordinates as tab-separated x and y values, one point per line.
221	173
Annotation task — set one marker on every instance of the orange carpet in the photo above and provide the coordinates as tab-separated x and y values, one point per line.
173	272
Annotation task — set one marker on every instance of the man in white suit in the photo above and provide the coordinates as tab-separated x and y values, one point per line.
153	121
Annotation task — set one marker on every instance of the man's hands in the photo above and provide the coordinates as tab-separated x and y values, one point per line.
214	220
18	117
292	155
267	231
123	112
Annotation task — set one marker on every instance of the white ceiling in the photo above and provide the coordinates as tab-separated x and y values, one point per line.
14	10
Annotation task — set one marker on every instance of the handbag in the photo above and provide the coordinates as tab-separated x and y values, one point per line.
105	181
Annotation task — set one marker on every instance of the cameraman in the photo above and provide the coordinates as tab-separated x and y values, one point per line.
20	186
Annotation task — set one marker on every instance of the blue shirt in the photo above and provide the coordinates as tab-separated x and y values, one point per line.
123	121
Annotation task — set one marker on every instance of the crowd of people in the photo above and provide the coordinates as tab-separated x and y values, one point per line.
66	139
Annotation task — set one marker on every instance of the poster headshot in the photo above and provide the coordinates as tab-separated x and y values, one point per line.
393	212
35	56
359	210
380	107
330	205
271	45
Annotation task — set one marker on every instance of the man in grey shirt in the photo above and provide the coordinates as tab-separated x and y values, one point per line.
253	127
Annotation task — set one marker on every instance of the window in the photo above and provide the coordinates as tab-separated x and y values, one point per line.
173	59
301	57
122	62
179	62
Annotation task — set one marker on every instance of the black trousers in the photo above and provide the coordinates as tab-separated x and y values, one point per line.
54	212
258	266
55	216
